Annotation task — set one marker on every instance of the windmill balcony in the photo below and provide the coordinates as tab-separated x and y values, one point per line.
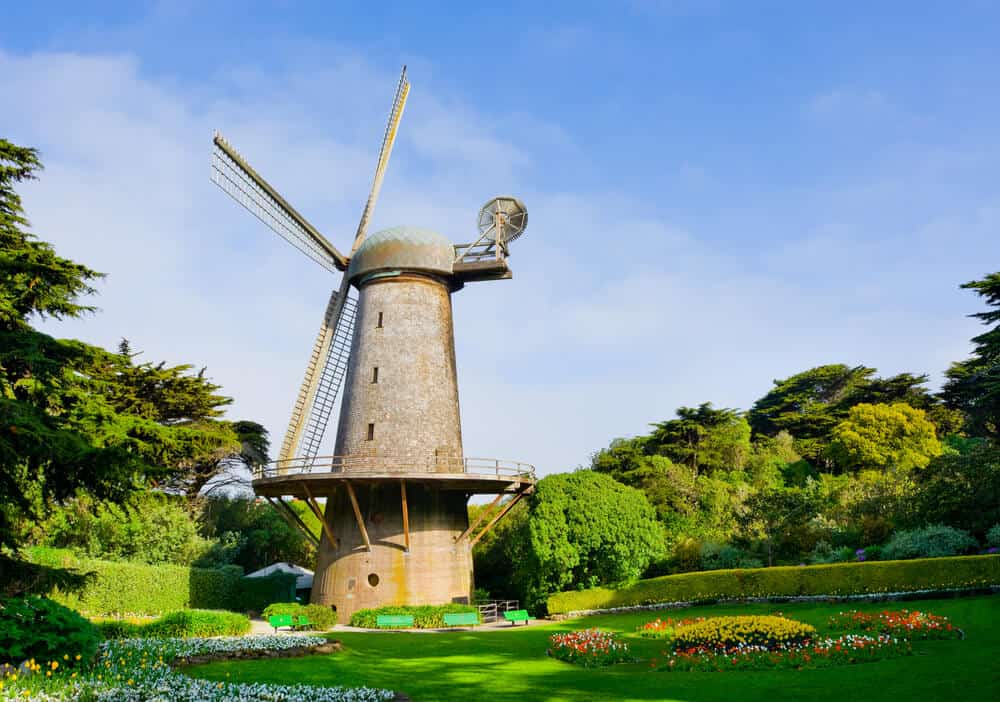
360	466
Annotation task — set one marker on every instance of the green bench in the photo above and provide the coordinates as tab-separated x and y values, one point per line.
394	621
280	620
302	622
516	615
461	619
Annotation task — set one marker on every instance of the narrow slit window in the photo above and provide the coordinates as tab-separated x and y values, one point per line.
379	325
371	432
375	374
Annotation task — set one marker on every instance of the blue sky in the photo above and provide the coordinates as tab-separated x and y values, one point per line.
720	193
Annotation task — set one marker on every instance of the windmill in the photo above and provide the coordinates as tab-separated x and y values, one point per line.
394	518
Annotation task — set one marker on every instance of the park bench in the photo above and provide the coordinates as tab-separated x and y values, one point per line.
461	619
280	620
393	621
516	615
302	622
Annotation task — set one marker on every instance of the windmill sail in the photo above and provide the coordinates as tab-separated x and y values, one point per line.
319	388
242	183
324	376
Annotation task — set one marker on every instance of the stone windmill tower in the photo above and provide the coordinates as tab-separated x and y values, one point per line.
395	527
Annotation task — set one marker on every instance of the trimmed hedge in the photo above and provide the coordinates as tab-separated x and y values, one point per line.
424	616
137	588
183	624
320	616
839	579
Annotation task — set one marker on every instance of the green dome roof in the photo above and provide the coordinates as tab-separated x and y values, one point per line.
403	248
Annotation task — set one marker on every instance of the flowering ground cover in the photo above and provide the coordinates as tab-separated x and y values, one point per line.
911	624
664	628
509	665
140	669
591	648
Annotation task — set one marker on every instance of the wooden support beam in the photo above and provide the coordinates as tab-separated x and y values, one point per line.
357	514
496	519
406	515
481	516
314	506
289	515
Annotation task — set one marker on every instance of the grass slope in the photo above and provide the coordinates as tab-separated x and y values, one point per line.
512	665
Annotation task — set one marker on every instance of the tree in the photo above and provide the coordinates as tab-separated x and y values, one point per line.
884	437
44	455
703	438
973	385
810	404
960	490
74	416
584	529
773	513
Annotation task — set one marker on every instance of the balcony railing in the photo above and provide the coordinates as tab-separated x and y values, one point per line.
514	470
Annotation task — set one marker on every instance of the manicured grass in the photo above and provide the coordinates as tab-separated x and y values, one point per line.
512	665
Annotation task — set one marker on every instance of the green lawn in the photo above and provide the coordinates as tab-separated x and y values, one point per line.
512	665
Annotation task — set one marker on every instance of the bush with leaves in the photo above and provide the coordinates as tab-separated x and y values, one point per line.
584	529
993	536
929	542
723	556
320	617
36	627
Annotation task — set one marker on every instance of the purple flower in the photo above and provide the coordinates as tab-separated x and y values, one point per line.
993	549
860	553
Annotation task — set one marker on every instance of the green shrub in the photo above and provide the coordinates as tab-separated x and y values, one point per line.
721	557
182	624
993	536
791	581
424	616
321	617
197	622
254	594
725	632
119	629
137	588
929	542
36	627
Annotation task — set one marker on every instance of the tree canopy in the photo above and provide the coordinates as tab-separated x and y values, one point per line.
973	385
584	529
884	437
74	416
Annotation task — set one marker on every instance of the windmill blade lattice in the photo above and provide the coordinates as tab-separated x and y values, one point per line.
330	380
235	178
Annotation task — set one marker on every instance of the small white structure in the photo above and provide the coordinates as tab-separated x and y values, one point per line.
305	576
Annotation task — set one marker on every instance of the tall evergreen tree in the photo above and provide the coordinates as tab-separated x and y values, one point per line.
973	385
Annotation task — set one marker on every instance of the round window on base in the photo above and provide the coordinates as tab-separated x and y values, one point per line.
372	579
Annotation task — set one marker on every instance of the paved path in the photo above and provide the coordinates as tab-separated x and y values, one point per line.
260	627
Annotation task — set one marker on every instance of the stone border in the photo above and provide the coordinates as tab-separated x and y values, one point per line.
870	597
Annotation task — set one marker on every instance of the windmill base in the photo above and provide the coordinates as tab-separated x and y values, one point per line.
352	575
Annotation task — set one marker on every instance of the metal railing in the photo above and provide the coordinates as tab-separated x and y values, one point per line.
395	465
491	610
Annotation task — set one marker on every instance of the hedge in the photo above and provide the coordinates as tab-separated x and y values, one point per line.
424	616
320	617
183	624
834	580
138	588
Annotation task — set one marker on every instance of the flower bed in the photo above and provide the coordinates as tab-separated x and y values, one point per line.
591	648
912	625
140	669
850	648
664	628
769	632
